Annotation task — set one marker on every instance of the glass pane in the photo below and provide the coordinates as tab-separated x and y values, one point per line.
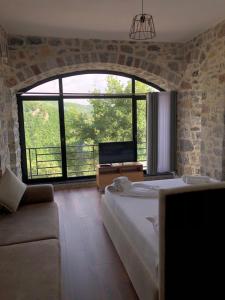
141	133
143	88
88	122
97	83
42	135
47	87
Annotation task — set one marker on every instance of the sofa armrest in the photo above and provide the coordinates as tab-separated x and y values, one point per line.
38	193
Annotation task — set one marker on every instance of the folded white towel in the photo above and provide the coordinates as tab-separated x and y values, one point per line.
191	179
124	187
111	188
122	183
120	178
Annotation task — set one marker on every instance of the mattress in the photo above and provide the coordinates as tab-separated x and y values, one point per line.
132	214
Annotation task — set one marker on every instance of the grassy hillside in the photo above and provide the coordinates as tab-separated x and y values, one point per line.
79	107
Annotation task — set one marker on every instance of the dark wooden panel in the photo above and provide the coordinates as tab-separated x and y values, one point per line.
194	245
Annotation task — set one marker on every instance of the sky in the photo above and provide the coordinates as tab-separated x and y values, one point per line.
78	84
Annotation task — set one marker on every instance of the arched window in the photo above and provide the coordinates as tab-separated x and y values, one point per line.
63	119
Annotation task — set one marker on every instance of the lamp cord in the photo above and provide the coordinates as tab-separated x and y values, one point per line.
142	7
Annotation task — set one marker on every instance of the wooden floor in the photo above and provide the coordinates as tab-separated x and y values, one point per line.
91	268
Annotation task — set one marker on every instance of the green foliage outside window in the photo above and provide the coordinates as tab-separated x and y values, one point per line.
102	120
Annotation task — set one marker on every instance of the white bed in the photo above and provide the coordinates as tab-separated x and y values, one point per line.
159	265
131	213
134	236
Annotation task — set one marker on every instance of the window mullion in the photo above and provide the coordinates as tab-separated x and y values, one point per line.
134	117
62	130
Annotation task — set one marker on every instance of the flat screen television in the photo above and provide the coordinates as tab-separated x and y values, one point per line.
117	152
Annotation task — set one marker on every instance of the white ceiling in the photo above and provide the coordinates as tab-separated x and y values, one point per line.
175	20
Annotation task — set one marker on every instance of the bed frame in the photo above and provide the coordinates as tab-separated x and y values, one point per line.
191	251
140	275
192	234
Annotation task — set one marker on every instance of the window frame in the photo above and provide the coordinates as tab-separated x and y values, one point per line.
60	97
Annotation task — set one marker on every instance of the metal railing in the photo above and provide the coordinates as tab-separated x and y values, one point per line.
46	162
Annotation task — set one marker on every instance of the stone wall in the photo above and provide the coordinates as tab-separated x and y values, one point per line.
189	132
13	135
195	69
4	149
9	128
33	59
201	105
4	108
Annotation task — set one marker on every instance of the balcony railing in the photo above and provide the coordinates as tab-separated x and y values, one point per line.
46	162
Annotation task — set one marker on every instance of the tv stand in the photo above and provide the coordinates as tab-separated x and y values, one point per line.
105	173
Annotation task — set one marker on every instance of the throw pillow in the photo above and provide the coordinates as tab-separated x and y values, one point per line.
11	190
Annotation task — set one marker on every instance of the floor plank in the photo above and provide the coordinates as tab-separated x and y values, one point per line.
91	267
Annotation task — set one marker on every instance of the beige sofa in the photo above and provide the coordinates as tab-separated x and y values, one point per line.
29	248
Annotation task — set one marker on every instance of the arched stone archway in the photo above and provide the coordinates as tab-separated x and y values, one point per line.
34	59
150	77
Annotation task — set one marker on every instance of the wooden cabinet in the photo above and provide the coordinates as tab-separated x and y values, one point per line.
106	173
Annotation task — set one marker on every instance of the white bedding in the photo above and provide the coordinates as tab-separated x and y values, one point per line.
131	213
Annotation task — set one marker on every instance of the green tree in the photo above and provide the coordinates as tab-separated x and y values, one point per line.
41	122
102	121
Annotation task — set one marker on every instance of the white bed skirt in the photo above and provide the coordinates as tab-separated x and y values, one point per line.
140	276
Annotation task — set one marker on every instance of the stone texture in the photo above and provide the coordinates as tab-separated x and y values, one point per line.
34	40
186	145
4	149
15	41
126	49
36	52
203	90
153	48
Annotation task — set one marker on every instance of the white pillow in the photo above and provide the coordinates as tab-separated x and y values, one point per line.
11	190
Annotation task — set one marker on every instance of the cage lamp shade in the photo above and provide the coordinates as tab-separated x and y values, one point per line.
142	27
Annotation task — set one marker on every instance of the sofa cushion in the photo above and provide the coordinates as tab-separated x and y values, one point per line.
30	271
11	190
30	223
37	194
